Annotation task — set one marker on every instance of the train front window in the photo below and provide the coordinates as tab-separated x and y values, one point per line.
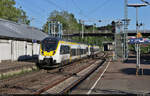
49	45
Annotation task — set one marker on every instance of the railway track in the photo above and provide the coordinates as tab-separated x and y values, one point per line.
69	88
66	89
87	86
39	82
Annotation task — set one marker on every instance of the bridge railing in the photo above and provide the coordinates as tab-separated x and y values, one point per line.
86	32
142	31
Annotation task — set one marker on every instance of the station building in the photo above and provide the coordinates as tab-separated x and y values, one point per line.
19	41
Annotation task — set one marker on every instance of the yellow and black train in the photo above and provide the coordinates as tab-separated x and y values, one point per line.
55	51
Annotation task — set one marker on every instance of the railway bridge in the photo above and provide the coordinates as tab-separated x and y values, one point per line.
108	34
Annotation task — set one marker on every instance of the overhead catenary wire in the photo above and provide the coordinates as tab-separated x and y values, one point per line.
66	3
51	2
35	12
80	10
101	5
76	6
54	4
146	2
92	11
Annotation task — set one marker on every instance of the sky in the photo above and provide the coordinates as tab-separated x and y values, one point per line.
89	10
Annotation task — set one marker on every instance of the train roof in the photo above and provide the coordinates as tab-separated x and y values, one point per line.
57	38
60	39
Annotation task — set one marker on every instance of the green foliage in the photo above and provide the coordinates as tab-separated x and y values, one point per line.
132	47
107	27
21	72
92	40
9	12
70	24
68	21
143	48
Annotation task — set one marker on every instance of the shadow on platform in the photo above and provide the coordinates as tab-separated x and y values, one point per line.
132	71
130	61
131	56
143	61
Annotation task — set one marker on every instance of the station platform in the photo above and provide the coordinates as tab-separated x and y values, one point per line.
121	78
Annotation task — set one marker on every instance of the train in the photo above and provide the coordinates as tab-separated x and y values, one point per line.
56	51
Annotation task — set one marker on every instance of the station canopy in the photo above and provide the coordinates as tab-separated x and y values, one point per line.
22	31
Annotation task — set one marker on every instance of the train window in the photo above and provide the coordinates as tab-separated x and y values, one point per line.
78	51
67	49
73	52
82	51
64	49
49	45
91	49
86	49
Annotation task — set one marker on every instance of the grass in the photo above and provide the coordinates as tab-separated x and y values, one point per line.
16	73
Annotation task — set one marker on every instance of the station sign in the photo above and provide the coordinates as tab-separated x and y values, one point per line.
34	41
139	41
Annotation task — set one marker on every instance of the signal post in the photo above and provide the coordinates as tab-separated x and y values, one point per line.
138	36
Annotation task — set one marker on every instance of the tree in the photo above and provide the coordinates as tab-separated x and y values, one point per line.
9	12
92	40
68	21
113	26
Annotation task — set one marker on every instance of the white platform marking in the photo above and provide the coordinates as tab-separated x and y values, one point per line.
89	92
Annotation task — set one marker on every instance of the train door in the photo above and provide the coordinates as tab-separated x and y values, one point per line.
65	52
92	51
70	59
79	52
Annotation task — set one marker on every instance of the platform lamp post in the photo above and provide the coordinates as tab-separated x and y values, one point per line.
137	29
